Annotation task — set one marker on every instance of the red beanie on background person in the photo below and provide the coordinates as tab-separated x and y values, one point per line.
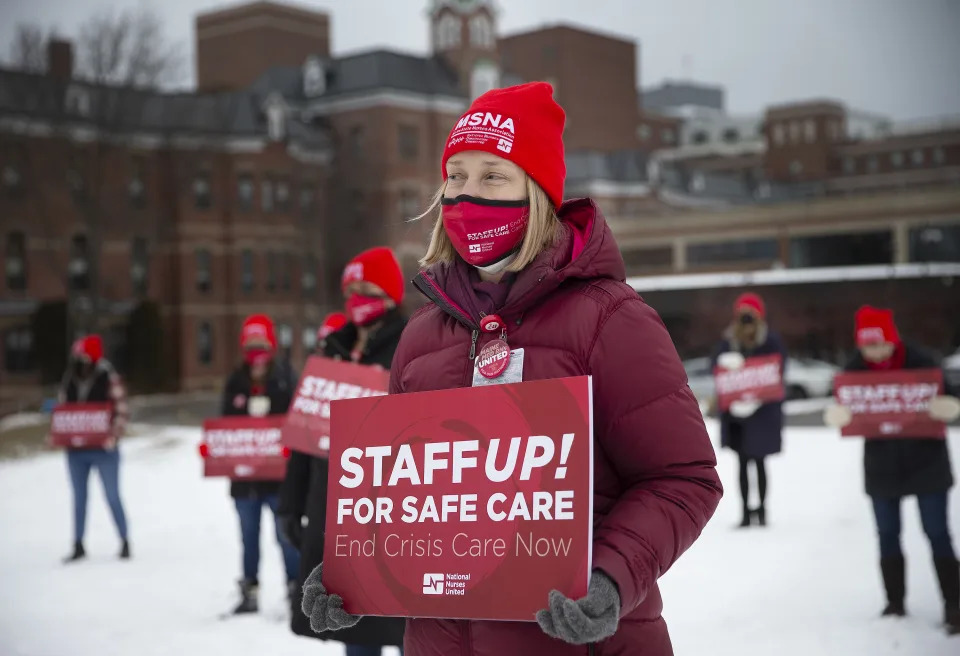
258	339
331	324
377	266
875	326
90	347
523	124
750	301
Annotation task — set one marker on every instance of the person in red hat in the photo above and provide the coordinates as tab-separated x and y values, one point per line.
511	265
262	385
90	378
373	287
753	430
331	324
899	467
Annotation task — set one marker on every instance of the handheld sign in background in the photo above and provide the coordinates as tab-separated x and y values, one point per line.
307	428
244	448
81	425
451	548
760	379
890	403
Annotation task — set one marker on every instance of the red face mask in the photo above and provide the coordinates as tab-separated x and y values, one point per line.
365	310
257	356
484	231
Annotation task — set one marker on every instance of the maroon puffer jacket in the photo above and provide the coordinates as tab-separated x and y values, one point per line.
655	479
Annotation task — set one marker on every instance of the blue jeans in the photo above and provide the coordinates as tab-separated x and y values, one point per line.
366	650
249	510
107	462
933	516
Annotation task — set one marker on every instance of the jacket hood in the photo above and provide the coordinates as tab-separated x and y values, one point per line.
586	250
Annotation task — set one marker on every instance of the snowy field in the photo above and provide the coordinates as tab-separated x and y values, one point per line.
807	585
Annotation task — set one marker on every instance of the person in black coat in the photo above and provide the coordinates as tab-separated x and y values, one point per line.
754	431
373	286
260	386
895	468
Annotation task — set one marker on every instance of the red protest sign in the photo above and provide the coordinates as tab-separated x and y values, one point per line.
81	425
307	428
463	503
760	379
244	448
890	403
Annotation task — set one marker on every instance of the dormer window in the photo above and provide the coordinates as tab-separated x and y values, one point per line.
78	101
314	78
276	117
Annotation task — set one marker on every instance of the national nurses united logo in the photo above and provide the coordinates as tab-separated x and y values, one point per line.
433	584
445	584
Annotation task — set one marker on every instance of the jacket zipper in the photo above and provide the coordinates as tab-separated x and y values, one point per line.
428	288
591	649
473	344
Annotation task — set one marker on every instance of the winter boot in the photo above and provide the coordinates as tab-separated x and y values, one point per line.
893	570
125	550
745	522
948	574
249	591
78	553
761	515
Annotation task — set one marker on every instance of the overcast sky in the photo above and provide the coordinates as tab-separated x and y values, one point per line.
897	57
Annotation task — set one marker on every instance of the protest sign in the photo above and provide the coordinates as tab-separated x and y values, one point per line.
81	425
244	448
463	503
307	428
890	403
760	379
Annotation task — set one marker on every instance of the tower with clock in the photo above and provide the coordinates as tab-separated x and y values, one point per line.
464	34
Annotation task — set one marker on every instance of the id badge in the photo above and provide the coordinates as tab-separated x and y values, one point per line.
512	374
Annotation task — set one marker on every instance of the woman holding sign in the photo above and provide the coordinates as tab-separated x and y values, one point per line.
753	429
524	286
372	285
898	467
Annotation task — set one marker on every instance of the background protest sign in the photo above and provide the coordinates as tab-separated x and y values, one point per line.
81	425
890	403
760	379
463	503
244	448
307	428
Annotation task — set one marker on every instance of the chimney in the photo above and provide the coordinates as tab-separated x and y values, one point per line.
60	59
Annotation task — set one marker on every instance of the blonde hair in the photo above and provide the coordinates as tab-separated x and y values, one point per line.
543	230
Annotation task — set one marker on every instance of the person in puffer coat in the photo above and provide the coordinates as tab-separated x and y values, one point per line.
506	244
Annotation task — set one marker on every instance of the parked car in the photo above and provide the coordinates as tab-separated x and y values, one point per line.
805	378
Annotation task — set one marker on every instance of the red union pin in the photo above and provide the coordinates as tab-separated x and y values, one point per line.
493	359
491	323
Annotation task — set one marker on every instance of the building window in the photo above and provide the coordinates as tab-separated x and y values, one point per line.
273	264
731	135
245	193
266	195
448	32
643	132
728	252
204	278
11	173
16	261
835	131
79	268
204	342
308	281
283	196
656	258
668	136
810	130
794	131
484	77
779	135
796	167
849	165
201	191
18	355
356	141
139	266
935	243
246	271
286	275
842	249
939	156
408	140
137	186
896	159
76	181
285	339
481	32
700	137
916	156
873	164
309	338
408	204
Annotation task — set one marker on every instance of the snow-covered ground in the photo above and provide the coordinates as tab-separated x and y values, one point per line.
806	585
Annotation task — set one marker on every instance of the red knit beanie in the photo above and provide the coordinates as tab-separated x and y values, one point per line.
750	301
90	347
333	322
379	266
523	124
258	330
875	326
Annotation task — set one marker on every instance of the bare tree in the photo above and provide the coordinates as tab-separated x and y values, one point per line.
28	51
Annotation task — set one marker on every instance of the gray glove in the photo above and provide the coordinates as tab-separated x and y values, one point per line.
324	610
586	620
